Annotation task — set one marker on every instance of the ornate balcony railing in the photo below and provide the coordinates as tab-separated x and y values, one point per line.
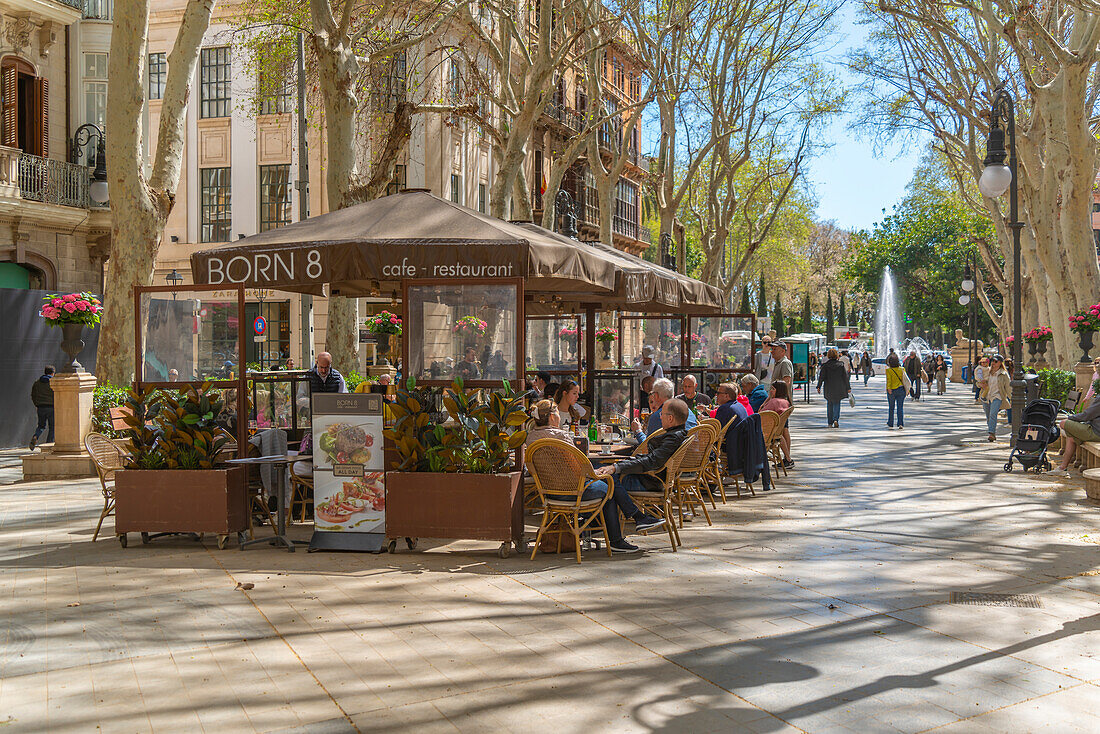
77	4
53	182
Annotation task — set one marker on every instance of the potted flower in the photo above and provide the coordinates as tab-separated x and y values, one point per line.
1086	322
470	328
456	479
569	336
1037	340
171	481
72	312
606	335
384	325
668	339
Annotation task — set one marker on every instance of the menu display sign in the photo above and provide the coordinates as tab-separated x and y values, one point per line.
349	480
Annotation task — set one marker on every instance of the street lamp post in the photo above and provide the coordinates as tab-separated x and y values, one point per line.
995	180
565	208
668	259
82	138
966	299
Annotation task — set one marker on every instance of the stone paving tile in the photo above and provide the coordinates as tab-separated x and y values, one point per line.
731	633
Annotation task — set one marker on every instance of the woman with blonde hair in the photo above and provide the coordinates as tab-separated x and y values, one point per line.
544	423
996	393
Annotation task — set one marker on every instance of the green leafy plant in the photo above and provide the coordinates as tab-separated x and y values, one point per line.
175	429
105	397
485	428
1054	384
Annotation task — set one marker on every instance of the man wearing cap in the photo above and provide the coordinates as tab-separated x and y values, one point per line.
648	366
784	368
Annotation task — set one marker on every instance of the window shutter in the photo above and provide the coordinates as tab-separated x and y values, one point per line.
42	119
9	130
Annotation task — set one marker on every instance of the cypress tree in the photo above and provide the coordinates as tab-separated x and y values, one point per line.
829	322
777	317
807	322
843	312
745	307
761	300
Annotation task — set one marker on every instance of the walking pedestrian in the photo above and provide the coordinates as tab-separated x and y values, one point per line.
941	375
896	379
42	399
867	367
834	375
913	370
996	393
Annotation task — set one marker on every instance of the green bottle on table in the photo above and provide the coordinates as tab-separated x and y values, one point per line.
592	435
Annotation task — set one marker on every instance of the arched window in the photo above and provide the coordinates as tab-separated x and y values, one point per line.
24	99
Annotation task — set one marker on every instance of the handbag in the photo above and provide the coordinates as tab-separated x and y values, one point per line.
905	381
851	400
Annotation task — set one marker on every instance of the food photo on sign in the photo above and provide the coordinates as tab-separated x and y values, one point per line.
349	477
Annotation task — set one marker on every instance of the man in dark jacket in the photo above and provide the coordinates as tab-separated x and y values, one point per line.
912	369
756	392
630	473
324	378
42	397
834	376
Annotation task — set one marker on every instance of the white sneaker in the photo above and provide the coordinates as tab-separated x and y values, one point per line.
1056	472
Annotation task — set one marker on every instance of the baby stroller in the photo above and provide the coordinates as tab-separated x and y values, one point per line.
1038	429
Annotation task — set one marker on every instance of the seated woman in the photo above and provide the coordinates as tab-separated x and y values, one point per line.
569	412
779	399
544	423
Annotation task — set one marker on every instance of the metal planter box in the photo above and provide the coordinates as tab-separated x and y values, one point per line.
455	506
181	501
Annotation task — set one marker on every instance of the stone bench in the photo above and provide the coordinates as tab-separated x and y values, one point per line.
1092	484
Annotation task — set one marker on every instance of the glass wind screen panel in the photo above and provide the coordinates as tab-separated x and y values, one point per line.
663	334
272	404
552	344
191	337
721	342
466	331
615	399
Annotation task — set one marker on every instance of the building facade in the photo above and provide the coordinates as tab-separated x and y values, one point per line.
53	236
241	157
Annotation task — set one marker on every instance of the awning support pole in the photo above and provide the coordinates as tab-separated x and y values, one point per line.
590	352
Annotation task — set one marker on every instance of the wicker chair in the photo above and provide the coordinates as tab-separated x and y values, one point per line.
107	457
643	447
772	429
784	417
714	471
562	472
691	476
301	494
660	504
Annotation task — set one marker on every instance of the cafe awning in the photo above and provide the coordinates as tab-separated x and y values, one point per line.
371	247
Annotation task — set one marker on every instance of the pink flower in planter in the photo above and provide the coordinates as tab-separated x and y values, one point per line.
70	307
82	305
68	297
50	312
57	302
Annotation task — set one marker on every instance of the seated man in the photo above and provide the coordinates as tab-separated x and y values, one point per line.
757	392
1083	427
630	474
729	408
691	395
662	393
545	424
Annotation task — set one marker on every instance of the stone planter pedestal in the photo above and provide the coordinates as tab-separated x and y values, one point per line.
72	400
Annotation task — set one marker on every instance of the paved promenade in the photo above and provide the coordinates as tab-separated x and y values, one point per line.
822	606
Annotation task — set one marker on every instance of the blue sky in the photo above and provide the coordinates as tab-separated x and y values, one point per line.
853	181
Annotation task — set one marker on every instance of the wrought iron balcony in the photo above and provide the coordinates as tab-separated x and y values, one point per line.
54	182
77	4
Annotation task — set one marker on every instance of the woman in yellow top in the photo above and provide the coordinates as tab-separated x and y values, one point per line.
895	390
